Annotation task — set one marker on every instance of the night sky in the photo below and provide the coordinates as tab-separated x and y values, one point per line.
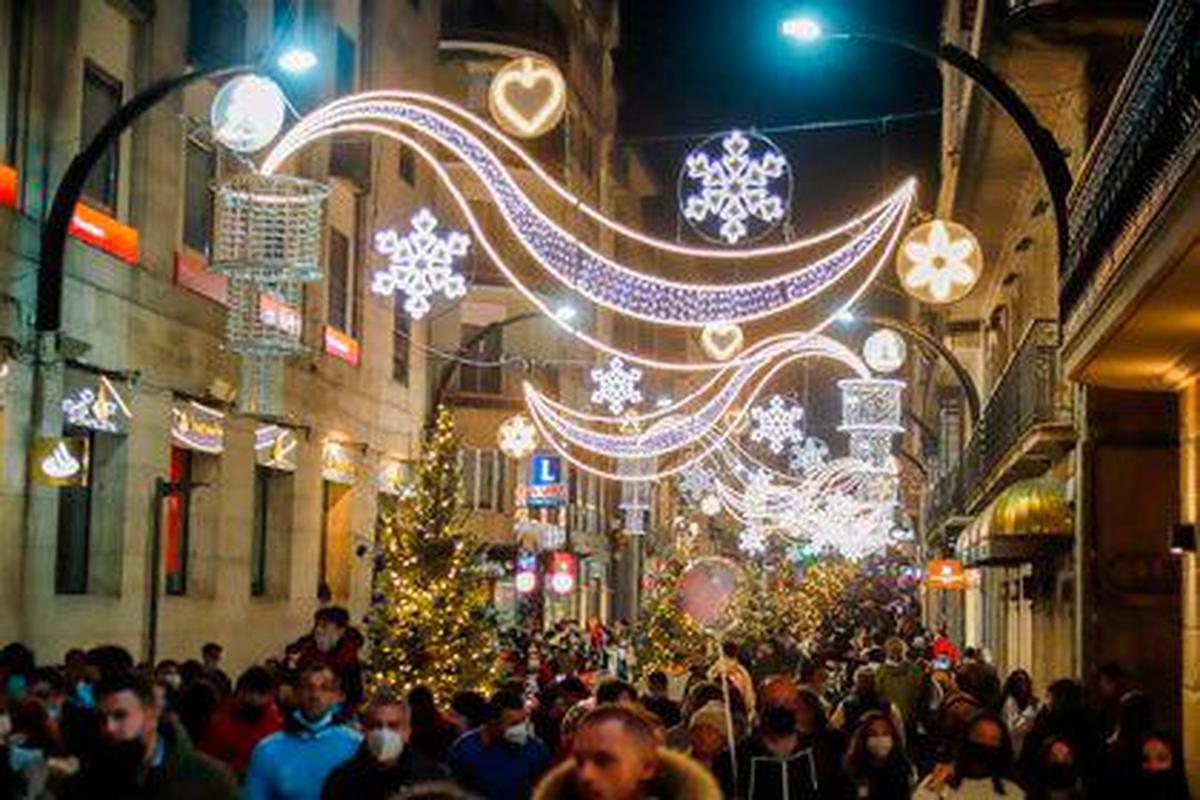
694	67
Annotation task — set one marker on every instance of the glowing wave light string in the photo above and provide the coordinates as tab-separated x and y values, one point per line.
607	282
577	203
749	355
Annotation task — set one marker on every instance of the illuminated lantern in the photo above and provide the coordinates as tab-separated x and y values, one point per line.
247	113
528	97
939	262
884	351
562	573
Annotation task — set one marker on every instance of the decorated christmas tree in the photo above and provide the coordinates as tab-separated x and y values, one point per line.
667	639
430	621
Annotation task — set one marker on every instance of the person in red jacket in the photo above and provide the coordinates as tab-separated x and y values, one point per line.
248	716
335	643
944	647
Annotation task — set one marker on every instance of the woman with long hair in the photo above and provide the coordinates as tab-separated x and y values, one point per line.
982	767
876	766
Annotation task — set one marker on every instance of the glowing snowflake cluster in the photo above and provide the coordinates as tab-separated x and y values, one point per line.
696	483
420	263
616	385
777	424
734	186
752	541
809	455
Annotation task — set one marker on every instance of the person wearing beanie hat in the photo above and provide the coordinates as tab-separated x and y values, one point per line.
708	735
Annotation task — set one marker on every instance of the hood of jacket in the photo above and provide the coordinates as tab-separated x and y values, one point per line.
679	778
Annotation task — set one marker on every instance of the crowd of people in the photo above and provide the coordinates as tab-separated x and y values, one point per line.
884	716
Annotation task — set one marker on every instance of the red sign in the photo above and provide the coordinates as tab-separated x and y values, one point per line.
281	316
104	233
191	272
8	186
561	574
341	345
946	574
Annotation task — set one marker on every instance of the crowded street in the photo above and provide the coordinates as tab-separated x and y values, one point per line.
599	400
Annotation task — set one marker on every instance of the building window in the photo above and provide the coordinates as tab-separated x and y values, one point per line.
200	169
258	545
408	166
177	523
401	336
346	63
216	32
483	478
475	378
101	100
74	530
344	307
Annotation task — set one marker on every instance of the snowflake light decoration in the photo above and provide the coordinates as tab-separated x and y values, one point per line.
734	187
777	423
696	483
420	263
616	386
809	455
517	437
752	541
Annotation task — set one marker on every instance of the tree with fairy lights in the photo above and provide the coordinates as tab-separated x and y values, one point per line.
668	639
430	621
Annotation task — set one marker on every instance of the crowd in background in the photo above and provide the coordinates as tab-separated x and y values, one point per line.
895	712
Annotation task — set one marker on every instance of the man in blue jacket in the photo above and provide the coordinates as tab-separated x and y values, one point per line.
502	759
294	763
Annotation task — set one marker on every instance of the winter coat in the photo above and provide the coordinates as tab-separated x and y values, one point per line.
933	788
231	738
364	778
293	764
184	774
903	684
679	778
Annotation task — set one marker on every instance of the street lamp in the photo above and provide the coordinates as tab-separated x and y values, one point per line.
296	60
802	29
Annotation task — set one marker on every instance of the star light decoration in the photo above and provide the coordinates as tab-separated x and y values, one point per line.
939	262
420	263
616	386
777	423
746	181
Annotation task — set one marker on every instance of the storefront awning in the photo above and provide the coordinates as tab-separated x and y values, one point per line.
1028	520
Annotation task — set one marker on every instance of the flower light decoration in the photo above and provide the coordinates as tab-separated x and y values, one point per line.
420	263
734	187
939	262
752	541
517	437
616	385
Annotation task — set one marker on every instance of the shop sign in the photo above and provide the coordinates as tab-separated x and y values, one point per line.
197	427
275	313
561	574
393	477
60	460
339	463
526	580
104	233
946	574
9	189
341	345
275	448
192	273
546	486
93	402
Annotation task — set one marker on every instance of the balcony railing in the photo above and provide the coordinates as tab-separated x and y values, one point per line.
528	24
1148	142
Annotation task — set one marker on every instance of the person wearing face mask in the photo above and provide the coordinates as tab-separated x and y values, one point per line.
501	759
776	760
1056	774
293	764
1161	774
982	767
334	643
245	719
385	764
876	766
142	756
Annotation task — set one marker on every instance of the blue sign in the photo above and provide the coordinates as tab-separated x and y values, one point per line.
546	487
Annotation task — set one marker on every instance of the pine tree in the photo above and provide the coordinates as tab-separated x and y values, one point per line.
667	638
431	622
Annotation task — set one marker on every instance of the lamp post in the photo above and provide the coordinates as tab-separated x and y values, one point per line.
1041	141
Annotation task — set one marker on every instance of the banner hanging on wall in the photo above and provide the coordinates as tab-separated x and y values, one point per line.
275	448
59	461
340	463
198	427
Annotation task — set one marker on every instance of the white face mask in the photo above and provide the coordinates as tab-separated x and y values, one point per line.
880	746
517	734
385	744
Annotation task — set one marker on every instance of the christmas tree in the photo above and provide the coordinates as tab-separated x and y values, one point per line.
668	639
430	621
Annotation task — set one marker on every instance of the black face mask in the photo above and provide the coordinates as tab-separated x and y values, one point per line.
980	761
779	720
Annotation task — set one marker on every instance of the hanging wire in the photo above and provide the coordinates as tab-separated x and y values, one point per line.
799	127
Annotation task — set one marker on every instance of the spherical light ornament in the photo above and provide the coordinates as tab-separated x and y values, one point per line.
562	583
247	113
517	437
528	97
884	351
735	187
706	590
939	262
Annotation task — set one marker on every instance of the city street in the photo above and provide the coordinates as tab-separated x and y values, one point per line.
607	399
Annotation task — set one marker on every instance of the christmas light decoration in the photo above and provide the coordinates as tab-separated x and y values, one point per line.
616	386
710	505
809	455
582	269
696	483
722	342
735	186
517	437
247	113
528	96
420	263
884	351
939	262
752	541
777	423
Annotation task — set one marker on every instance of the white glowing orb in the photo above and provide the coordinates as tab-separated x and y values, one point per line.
939	262
710	505
884	351
248	113
517	437
528	97
562	583
526	582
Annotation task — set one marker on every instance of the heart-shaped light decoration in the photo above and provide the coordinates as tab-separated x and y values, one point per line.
722	341
528	97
